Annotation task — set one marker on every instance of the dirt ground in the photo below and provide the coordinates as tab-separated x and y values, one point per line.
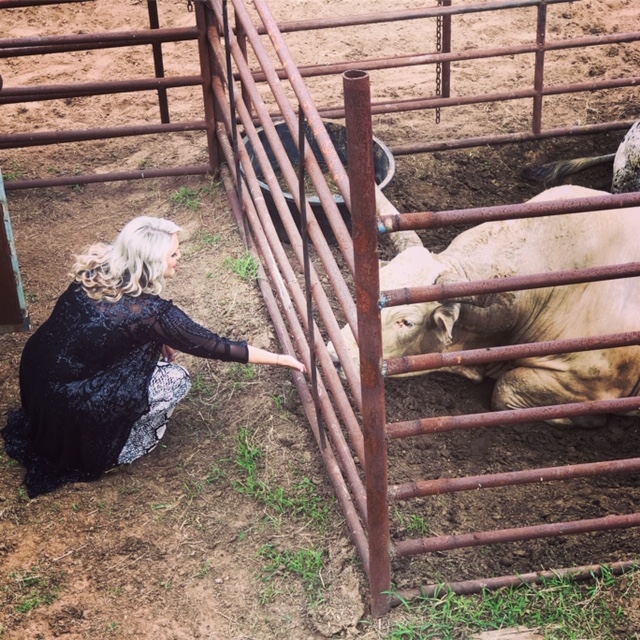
176	546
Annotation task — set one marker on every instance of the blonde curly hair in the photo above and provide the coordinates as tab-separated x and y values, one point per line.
134	264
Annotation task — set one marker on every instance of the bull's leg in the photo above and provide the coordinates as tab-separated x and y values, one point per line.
524	387
400	240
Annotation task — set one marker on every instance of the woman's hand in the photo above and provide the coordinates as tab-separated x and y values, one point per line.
284	360
262	356
168	354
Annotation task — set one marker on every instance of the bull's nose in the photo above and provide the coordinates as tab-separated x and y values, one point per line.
335	359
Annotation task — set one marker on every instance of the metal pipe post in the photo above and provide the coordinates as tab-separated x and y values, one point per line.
158	62
357	97
203	22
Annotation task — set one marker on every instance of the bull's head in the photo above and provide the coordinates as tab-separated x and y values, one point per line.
414	328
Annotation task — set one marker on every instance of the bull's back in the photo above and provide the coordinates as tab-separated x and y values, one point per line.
549	243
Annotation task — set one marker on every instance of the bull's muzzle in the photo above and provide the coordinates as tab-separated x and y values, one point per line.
335	359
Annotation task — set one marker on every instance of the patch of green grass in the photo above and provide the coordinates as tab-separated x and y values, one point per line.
200	387
280	400
415	525
243	372
200	240
14	172
301	500
246	266
186	197
305	564
30	296
214	475
29	589
207	238
78	188
192	490
204	570
213	188
561	608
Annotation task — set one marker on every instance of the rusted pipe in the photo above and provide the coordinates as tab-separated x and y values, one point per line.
332	270
316	125
466	143
422	488
357	102
404	14
16	185
538	74
446	48
487	355
36	93
14	4
315	173
158	63
203	18
333	470
506	418
18	140
468	587
28	45
416	104
447	57
304	232
266	238
452	217
415	295
500	536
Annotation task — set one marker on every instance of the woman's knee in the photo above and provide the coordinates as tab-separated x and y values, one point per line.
170	382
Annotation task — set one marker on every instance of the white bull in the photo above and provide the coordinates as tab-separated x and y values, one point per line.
527	246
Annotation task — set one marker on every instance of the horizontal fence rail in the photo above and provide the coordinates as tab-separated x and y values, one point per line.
49	45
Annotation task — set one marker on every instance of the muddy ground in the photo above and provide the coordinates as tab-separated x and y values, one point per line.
181	544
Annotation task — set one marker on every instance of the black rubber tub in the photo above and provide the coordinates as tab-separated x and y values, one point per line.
384	165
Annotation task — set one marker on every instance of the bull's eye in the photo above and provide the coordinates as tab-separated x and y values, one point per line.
406	323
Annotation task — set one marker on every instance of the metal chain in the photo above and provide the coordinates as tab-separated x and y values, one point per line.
190	5
438	64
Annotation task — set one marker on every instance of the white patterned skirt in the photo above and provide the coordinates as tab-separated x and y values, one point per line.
169	384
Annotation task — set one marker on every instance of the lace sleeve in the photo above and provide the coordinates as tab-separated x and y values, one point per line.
176	329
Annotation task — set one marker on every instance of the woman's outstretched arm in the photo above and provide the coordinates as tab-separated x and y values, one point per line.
262	356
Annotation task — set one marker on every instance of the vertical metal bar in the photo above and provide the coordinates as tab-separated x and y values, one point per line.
357	96
13	311
538	80
241	38
232	101
302	132
158	63
204	21
446	48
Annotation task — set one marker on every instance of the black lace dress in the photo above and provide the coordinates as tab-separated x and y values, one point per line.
84	376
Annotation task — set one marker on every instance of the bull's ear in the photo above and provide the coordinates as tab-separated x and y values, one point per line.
480	300
444	317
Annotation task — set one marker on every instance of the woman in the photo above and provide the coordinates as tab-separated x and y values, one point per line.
95	392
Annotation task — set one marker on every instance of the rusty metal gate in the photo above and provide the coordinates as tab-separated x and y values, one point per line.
244	89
